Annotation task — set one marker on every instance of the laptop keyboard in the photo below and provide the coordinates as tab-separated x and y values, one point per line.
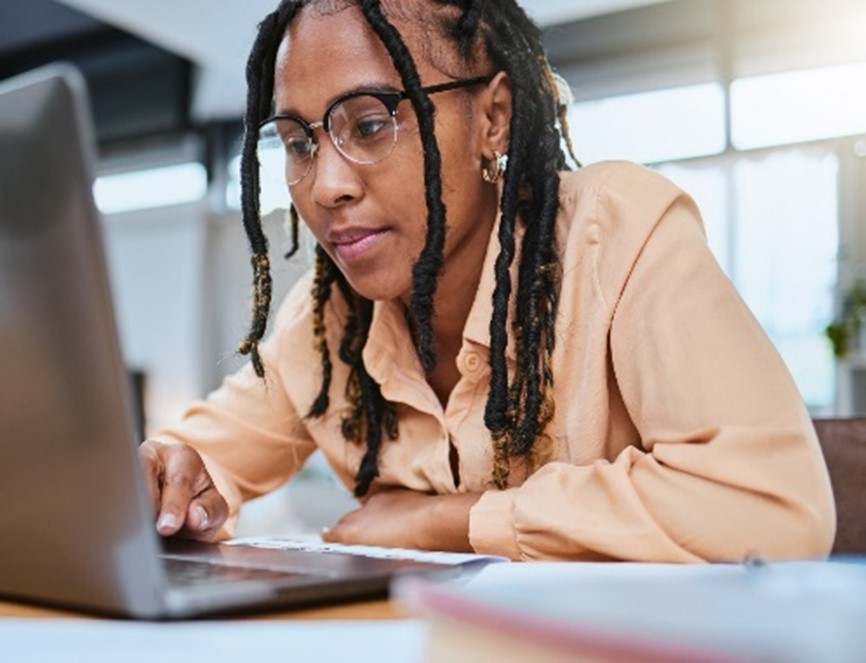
185	572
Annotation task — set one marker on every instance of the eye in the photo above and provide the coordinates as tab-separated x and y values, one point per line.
371	125
298	147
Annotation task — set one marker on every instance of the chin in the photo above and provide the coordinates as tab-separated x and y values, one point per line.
379	289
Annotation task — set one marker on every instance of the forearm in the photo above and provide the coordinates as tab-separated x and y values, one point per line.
401	518
447	525
686	501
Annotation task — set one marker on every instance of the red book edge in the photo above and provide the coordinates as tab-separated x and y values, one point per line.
432	600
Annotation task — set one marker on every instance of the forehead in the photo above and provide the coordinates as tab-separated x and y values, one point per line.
325	54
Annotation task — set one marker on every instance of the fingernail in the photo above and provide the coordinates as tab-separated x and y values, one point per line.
202	517
166	522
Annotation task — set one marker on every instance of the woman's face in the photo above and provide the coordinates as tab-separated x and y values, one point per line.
372	219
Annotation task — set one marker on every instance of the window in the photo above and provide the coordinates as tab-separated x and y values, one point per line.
798	106
786	245
272	181
651	126
155	187
772	222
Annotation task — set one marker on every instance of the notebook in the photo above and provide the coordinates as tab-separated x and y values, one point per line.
76	524
784	611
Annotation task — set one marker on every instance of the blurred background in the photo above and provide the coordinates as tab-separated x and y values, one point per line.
756	107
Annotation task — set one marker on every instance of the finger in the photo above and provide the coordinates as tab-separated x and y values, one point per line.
347	535
152	466
205	516
346	530
183	473
335	535
328	535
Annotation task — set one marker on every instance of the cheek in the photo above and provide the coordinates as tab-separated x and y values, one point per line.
308	217
460	167
459	150
400	189
462	185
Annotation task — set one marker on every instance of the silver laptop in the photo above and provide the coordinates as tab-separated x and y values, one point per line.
76	526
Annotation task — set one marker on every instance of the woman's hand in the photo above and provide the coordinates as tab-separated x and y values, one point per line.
407	519
185	500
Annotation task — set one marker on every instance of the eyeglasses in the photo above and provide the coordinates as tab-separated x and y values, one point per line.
362	125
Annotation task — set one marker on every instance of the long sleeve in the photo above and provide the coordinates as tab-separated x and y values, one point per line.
724	462
248	431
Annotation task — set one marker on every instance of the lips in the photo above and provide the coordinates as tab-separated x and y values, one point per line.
354	243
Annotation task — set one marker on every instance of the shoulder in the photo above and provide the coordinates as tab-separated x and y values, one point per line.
614	192
610	210
615	203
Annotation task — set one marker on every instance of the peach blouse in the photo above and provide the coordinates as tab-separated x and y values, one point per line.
679	434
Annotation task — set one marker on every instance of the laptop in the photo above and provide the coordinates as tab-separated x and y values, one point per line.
76	524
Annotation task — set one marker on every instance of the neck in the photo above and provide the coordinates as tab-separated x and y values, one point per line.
455	295
456	289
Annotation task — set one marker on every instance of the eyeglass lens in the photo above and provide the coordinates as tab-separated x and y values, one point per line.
361	128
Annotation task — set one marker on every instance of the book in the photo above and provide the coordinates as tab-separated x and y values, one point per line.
785	612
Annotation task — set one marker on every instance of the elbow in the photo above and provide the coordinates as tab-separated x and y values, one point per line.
794	529
807	528
812	529
771	527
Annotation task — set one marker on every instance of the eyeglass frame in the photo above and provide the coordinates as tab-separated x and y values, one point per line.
390	100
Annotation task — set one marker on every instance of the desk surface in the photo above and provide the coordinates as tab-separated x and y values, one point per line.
378	609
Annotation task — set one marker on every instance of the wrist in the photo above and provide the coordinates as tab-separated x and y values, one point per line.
447	522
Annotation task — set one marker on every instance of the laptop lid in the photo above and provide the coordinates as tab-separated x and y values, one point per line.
76	524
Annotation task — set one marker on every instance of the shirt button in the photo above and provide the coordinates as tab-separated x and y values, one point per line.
473	362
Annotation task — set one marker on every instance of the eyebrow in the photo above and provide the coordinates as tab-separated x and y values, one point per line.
358	89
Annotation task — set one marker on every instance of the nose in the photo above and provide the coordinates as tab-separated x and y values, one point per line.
333	178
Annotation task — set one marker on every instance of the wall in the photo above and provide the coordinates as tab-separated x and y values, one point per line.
156	260
182	280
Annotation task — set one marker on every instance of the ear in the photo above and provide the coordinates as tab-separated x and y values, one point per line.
495	112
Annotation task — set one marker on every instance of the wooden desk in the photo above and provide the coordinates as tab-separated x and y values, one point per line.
378	609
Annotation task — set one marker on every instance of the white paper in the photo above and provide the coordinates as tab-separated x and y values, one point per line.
317	545
102	641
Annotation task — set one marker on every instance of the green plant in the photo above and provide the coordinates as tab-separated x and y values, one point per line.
846	326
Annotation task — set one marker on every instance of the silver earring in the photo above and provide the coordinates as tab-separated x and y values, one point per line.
496	171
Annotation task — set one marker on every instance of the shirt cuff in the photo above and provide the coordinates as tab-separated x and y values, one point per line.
491	531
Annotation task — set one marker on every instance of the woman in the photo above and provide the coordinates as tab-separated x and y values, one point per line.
530	362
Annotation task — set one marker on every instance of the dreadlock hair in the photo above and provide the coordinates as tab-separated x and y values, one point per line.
482	33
